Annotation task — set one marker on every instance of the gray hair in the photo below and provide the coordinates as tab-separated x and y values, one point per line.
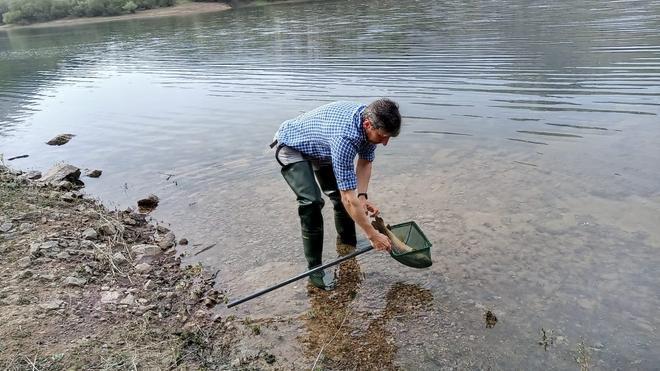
384	114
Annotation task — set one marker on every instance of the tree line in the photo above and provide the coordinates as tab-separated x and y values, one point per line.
31	11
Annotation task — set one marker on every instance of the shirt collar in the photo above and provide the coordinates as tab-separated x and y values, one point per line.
358	124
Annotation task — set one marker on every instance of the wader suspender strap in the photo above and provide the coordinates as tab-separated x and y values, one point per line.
277	151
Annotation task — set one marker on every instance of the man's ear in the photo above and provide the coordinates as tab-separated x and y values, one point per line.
366	124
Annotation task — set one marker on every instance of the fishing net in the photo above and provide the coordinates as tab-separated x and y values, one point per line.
410	234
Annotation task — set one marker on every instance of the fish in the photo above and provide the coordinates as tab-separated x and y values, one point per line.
398	246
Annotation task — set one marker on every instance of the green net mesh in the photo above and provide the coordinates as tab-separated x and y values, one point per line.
412	235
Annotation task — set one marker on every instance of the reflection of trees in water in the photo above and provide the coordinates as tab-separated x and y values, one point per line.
32	60
342	345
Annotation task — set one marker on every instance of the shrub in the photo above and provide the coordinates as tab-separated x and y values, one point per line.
95	8
130	7
14	16
60	8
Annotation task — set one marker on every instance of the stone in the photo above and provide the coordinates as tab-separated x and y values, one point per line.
110	297
24	262
61	172
183	242
68	197
32	215
107	229
134	218
269	358
47	277
74	281
169	240
145	250
94	173
162	229
143	267
23	274
25	227
148	204
87	245
33	175
64	185
60	140
119	258
128	300
89	234
63	255
39	248
52	304
6	227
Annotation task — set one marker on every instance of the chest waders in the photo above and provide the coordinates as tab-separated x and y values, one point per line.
301	178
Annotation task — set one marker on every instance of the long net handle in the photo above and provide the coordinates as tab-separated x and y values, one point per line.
302	275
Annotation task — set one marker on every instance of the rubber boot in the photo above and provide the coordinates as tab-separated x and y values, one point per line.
300	177
344	224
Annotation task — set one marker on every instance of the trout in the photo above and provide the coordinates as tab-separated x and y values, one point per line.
397	245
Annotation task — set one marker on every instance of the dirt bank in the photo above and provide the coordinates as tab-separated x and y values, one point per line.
88	288
177	10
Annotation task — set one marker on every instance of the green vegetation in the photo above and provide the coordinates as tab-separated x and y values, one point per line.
31	11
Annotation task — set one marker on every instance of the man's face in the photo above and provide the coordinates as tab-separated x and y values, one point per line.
375	136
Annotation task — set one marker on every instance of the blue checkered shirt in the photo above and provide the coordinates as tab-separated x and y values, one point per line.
332	132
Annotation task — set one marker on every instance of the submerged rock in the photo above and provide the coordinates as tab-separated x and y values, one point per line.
94	173
148	204
60	139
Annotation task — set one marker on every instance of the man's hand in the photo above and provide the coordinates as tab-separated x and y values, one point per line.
380	242
369	208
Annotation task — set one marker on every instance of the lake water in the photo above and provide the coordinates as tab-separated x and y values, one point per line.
529	156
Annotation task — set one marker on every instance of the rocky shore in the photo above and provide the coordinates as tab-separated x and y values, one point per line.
84	287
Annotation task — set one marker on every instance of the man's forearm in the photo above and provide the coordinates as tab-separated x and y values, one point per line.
363	172
354	208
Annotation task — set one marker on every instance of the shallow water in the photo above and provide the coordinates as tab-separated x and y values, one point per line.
528	157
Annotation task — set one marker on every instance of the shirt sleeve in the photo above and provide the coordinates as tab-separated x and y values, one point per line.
368	152
343	153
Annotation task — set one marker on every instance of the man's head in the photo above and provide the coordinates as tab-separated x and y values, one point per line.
381	120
